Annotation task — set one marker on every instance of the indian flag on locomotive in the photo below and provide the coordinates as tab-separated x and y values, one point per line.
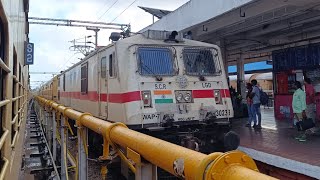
163	96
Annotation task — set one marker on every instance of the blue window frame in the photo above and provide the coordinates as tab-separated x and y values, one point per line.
155	61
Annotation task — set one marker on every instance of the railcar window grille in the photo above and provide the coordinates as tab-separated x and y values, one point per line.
155	61
103	67
3	75
2	42
200	61
84	78
15	91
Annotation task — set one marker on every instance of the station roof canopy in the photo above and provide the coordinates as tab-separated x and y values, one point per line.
249	29
159	13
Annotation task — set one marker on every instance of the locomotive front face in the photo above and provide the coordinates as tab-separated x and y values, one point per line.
181	85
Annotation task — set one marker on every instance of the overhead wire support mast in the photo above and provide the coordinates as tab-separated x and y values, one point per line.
78	23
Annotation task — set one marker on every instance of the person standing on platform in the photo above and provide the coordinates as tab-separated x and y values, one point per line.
249	105
310	97
255	94
299	107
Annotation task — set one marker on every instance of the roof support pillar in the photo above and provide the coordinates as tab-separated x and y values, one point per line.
241	82
224	58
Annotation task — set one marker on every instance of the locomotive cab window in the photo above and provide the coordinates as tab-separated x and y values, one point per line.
200	61
84	78
103	67
155	61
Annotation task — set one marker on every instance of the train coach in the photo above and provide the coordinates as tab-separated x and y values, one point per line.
157	83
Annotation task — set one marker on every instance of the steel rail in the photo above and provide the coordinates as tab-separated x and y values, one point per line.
177	160
45	140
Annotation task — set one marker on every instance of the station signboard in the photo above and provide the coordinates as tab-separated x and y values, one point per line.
29	53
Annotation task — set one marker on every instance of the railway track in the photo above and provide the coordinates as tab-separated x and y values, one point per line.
37	163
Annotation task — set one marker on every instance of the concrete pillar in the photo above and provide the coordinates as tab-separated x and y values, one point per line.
82	156
146	171
63	148
223	48
241	83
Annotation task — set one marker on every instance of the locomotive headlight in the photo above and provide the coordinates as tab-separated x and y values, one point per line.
146	98
217	97
179	97
183	96
187	97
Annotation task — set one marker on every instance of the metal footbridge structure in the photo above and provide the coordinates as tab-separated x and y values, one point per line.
143	153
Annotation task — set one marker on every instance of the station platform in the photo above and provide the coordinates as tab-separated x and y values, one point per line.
275	145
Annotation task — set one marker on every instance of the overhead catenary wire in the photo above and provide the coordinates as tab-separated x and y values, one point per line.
102	7
61	67
107	10
124	11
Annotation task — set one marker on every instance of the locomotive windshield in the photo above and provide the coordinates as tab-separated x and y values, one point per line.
155	61
199	61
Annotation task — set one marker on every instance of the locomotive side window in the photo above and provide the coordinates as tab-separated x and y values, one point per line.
199	61
112	72
84	78
103	67
155	61
64	82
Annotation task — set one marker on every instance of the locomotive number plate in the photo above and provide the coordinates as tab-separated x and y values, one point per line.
149	117
223	112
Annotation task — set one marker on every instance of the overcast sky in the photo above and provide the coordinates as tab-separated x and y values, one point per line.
52	44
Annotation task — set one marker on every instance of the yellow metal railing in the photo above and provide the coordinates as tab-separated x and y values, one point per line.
175	159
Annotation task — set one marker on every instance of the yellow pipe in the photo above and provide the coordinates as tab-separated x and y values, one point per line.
175	159
235	172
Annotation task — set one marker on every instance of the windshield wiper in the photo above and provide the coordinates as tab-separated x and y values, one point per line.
145	67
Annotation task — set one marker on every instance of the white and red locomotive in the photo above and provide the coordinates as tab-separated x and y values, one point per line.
171	88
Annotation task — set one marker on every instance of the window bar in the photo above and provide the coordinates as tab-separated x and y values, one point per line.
16	98
4	102
4	66
4	167
15	137
3	138
15	78
14	119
